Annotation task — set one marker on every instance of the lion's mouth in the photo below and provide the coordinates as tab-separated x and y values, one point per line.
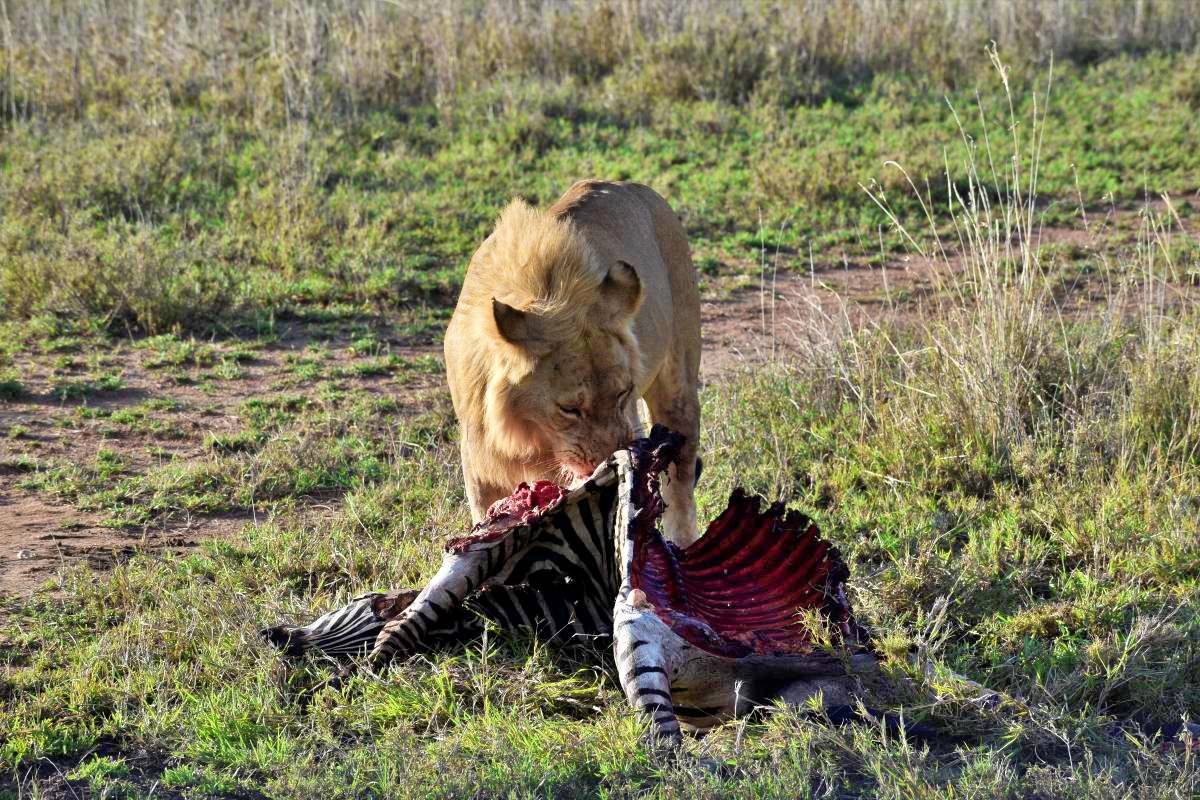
576	472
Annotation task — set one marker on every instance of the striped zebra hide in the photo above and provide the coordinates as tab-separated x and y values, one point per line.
699	634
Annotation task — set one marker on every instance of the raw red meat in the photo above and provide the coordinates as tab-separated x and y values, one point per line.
737	590
527	502
521	507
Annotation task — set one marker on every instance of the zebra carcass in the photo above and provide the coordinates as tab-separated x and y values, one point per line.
752	611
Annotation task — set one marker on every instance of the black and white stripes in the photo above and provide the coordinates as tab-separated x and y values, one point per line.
699	634
556	575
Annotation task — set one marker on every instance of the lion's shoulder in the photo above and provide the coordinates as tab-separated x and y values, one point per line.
599	197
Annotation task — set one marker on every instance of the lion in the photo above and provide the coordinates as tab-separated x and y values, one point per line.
566	318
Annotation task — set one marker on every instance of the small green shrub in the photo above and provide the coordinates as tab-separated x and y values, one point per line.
11	387
126	276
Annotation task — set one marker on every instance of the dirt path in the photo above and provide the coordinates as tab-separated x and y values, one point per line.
176	409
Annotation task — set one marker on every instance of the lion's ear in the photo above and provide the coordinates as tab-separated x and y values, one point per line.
622	289
515	326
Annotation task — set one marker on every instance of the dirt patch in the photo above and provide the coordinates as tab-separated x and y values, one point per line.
164	415
38	538
796	302
787	311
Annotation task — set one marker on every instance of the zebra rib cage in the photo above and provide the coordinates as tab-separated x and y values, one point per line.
753	611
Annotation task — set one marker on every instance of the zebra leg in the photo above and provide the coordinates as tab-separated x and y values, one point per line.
547	608
344	632
547	605
438	608
645	670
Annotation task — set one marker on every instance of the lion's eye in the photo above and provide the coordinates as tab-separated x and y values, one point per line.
625	395
570	411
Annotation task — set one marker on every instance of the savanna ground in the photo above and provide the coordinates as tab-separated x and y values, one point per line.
949	312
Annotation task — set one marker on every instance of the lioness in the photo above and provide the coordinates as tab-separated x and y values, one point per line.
567	316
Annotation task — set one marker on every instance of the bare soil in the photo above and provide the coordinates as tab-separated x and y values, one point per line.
40	535
745	322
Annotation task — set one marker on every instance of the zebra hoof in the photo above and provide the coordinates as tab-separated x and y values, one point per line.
286	638
664	745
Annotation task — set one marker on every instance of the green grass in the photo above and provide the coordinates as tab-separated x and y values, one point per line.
71	389
291	447
218	219
1014	490
1070	576
11	387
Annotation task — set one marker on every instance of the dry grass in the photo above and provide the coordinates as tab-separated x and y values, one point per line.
178	165
302	59
996	355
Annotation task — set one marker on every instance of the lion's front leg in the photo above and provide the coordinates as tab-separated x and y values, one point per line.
673	402
679	519
479	482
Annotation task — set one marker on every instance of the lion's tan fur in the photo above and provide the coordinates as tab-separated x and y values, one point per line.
539	262
594	331
533	262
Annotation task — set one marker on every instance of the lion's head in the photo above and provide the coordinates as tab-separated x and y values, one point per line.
559	377
573	394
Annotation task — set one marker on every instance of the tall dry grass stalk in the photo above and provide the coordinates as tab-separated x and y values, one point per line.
304	57
997	358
